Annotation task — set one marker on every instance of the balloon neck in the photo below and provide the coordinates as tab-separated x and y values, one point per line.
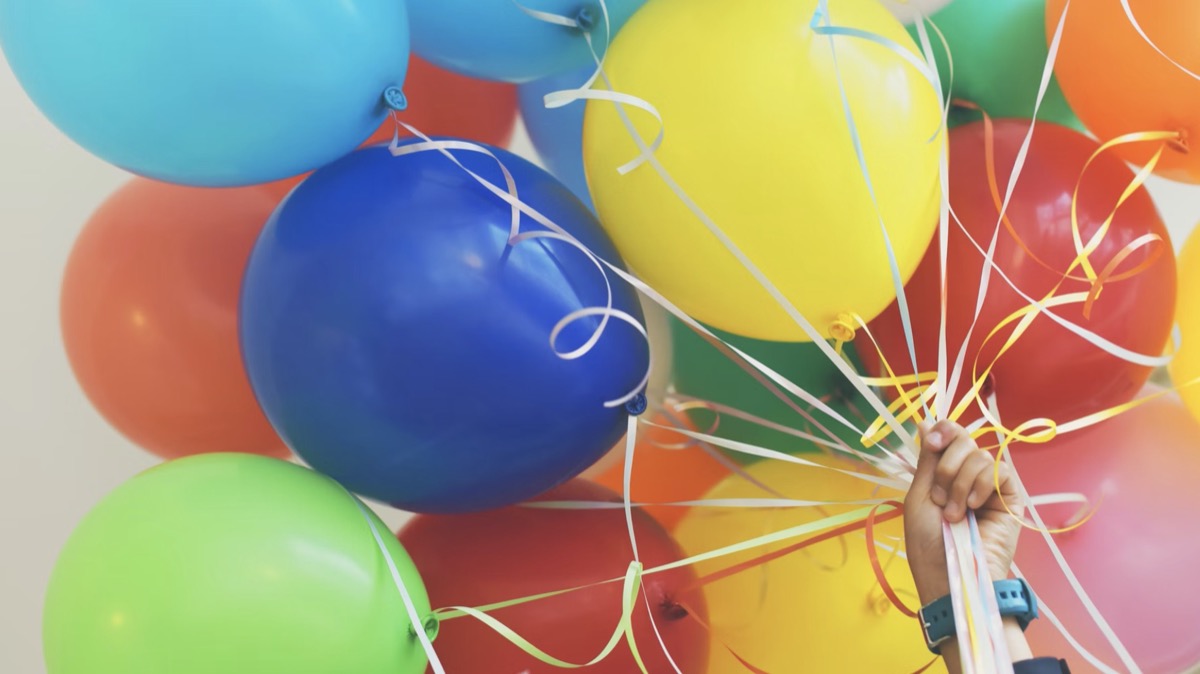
988	388
672	610
394	98
638	405
841	331
431	625
1180	143
585	18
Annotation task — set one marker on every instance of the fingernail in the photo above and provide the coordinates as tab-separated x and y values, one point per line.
937	494
934	438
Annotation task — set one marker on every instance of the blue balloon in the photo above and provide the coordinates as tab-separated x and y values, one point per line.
557	134
212	92
399	345
496	40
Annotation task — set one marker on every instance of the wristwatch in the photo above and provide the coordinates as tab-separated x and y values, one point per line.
1013	596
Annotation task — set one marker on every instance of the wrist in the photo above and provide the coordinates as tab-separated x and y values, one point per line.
932	584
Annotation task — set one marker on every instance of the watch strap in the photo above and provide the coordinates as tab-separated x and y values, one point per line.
1014	598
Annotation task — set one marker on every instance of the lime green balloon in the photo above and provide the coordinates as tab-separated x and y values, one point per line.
999	49
230	564
701	371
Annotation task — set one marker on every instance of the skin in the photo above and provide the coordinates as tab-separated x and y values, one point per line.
954	476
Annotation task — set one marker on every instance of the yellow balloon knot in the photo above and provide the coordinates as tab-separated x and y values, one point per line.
842	328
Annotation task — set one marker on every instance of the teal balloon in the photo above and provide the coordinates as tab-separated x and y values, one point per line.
701	371
999	49
212	93
500	40
231	563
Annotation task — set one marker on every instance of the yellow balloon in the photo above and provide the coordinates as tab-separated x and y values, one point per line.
1186	365
755	133
814	610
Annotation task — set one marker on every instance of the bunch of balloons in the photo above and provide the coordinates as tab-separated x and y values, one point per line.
843	215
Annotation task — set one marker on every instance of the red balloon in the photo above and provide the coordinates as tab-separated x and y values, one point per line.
1050	372
1137	556
480	558
149	317
444	103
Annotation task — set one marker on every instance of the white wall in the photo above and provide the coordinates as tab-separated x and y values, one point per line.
58	456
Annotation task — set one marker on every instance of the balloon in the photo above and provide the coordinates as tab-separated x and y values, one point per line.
444	103
499	40
216	93
661	364
149	317
667	467
477	559
230	563
776	187
557	134
701	371
814	610
1050	371
1117	83
999	51
1144	465
909	11
1185	367
383	294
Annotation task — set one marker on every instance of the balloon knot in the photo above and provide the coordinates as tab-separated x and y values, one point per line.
638	405
395	99
585	19
842	328
431	625
672	610
1179	143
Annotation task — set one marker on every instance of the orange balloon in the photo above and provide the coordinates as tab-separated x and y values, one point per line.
1118	83
663	472
445	103
149	317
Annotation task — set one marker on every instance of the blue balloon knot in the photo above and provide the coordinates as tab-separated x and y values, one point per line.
638	405
585	18
395	99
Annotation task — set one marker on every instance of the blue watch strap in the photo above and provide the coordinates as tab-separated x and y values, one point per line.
1013	597
1016	599
937	623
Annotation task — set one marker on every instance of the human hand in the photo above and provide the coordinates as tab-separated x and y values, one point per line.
954	475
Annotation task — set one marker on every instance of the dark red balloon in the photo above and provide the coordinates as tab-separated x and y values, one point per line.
480	558
1050	372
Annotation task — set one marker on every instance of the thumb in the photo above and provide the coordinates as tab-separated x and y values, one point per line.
927	462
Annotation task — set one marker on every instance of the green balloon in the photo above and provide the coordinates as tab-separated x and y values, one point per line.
230	563
999	49
701	371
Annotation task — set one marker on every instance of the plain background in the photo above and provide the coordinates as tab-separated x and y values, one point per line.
59	456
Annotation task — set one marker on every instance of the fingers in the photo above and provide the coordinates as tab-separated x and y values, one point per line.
1008	496
949	465
940	435
976	470
935	437
926	462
